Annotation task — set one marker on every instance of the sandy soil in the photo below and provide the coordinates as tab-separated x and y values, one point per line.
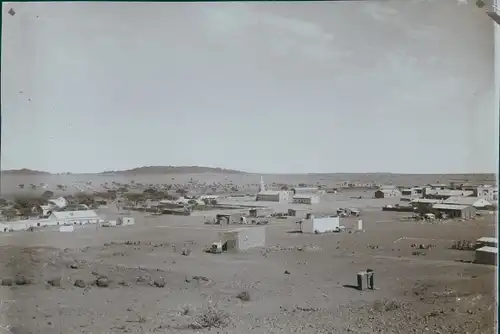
136	280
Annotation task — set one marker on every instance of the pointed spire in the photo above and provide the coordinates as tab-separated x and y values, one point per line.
262	185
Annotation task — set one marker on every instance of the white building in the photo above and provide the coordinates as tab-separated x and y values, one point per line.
75	217
23	225
387	191
446	193
487	241
489	193
126	221
273	196
477	202
411	193
59	203
305	199
320	225
244	238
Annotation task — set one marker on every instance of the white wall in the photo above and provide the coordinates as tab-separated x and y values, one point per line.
321	225
246	237
128	221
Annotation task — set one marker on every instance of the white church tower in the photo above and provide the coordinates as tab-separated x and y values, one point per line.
262	185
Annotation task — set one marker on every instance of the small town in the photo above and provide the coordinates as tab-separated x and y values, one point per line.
241	167
197	224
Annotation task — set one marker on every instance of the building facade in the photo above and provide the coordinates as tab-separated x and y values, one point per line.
455	211
489	193
306	190
273	196
320	224
387	191
75	217
476	202
305	199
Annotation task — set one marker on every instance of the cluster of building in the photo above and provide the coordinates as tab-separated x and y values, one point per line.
299	195
56	218
448	200
58	212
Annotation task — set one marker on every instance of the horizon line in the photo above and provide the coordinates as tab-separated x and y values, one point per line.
236	170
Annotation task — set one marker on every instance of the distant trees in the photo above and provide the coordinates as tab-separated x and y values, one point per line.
135	197
107	195
111	194
171	197
210	201
26	205
149	191
48	194
82	198
3	202
21	186
28	202
9	214
181	191
285	187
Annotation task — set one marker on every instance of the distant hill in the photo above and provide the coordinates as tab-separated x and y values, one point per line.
173	170
25	171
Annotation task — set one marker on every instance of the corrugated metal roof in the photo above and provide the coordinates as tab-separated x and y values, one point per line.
488	249
68	215
488	239
306	189
269	192
465	200
450	206
450	192
427	200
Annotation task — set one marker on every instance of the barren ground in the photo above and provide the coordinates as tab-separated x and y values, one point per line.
298	283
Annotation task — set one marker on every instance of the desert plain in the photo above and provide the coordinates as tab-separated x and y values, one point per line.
154	276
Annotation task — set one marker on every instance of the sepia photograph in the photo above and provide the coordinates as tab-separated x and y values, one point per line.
156	177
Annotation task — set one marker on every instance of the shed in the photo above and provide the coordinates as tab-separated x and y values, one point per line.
243	238
456	211
477	202
320	224
487	255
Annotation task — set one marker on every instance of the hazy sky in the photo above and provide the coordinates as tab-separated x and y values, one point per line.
389	86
